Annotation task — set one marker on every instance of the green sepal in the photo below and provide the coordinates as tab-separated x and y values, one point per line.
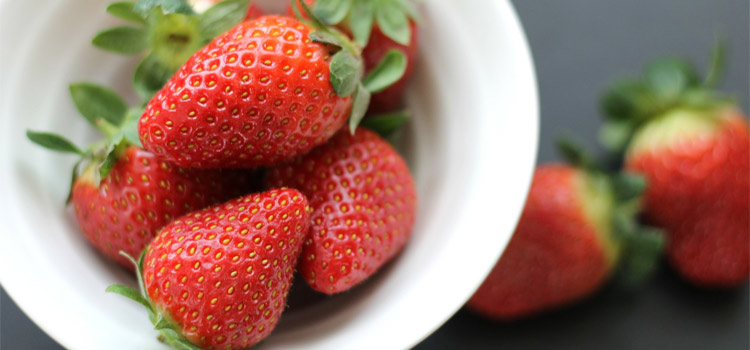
124	10
322	37
302	9
331	12
182	344
53	142
393	22
73	178
359	107
167	6
640	256
386	124
221	17
345	72
150	76
717	63
129	293
576	155
616	134
124	40
666	79
115	146
130	126
388	71
628	186
97	103
408	7
174	37
361	19
162	323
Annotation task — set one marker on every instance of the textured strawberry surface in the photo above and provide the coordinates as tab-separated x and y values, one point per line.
390	99
554	256
699	191
256	95
142	194
222	274
364	205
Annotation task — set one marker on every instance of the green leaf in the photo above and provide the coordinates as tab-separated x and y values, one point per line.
390	69
641	256
359	107
124	40
361	19
112	153
150	76
96	103
386	124
615	134
125	10
575	154
408	7
174	37
53	142
628	186
668	78
130	126
393	23
167	6
717	63
345	73
222	16
322	37
331	12
129	293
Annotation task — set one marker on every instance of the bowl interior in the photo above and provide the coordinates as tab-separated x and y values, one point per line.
471	146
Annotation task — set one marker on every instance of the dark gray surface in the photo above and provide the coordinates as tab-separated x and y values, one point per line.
579	47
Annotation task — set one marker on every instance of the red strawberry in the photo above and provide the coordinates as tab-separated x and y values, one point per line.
363	202
697	164
140	195
256	95
126	194
562	249
377	44
218	278
693	148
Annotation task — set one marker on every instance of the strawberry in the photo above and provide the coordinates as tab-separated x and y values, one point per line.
364	206
266	91
693	148
126	194
577	227
377	35
218	278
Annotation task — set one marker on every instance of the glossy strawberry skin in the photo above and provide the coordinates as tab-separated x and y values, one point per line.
364	205
222	274
391	98
142	194
256	95
699	192
555	256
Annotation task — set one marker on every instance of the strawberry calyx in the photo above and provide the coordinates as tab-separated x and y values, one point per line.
168	331
167	33
108	112
613	202
347	66
665	85
358	16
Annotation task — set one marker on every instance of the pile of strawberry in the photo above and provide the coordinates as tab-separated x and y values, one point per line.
684	153
246	161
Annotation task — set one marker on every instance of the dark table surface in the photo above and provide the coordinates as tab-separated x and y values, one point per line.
579	46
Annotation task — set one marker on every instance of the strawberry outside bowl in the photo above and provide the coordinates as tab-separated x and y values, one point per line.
471	145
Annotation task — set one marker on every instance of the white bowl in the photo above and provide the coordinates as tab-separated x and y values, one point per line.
472	146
